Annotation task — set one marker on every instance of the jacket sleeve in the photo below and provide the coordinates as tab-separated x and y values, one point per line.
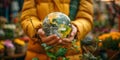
29	14
84	18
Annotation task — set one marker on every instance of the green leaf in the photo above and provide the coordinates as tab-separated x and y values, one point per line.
51	55
64	58
48	48
44	44
66	32
61	52
35	58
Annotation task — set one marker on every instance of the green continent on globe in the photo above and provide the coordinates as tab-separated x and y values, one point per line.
57	23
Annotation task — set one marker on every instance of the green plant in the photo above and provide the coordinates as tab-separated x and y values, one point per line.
110	41
55	52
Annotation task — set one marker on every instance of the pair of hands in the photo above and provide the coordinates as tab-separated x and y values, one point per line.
54	40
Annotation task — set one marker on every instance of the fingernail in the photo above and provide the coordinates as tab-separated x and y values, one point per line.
72	34
39	30
43	32
60	41
58	38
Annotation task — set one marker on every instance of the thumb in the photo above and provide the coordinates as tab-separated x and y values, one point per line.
74	31
41	33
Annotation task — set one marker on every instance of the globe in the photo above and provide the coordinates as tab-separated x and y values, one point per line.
57	23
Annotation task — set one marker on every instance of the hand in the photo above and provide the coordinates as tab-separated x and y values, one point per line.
49	40
70	37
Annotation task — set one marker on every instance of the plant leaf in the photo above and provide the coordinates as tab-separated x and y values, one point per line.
61	52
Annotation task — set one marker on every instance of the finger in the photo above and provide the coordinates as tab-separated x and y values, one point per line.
74	31
59	41
50	38
41	33
53	42
66	40
71	37
64	43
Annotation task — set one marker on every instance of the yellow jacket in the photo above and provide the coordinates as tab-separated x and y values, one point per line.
36	10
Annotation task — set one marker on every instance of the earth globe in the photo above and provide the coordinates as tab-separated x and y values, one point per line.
57	23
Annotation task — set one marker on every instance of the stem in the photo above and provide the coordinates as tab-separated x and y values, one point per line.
115	55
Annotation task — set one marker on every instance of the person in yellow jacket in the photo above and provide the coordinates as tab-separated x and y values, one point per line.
36	10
